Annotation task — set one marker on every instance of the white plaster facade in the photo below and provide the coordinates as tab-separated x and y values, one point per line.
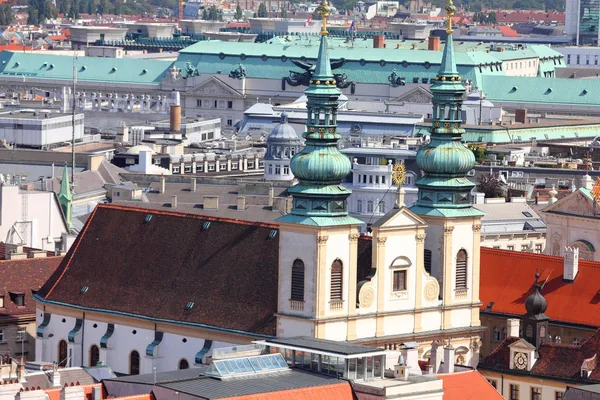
130	334
573	222
31	218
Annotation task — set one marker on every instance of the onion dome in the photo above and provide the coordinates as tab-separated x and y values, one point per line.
445	158
536	303
323	164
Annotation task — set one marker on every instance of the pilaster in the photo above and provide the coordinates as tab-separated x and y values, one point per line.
420	272
321	271
381	272
351	327
447	264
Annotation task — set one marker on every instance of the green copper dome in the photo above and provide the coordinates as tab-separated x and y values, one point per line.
448	158
320	164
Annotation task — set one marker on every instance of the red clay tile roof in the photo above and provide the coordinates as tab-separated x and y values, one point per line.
23	276
507	31
229	270
507	278
468	385
338	391
556	360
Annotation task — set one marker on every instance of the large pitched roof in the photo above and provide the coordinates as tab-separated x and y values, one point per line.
52	66
228	269
555	360
468	385
507	278
23	276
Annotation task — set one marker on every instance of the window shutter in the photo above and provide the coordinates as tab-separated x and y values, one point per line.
336	280
461	270
298	281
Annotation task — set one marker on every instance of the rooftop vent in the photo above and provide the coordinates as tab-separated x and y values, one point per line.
273	233
83	67
17	64
514	88
205	225
44	64
113	69
51	66
148	218
549	90
189	305
584	91
84	289
144	71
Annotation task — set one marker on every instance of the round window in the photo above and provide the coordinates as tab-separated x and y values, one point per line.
221	55
362	61
243	56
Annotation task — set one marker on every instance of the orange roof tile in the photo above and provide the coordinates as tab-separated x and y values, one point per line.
468	385
507	31
338	391
507	278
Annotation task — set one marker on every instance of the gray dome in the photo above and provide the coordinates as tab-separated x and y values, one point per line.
283	132
536	303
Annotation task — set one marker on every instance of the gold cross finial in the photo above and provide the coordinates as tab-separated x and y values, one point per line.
450	10
324	10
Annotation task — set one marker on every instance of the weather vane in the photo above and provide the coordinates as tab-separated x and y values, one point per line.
450	10
324	10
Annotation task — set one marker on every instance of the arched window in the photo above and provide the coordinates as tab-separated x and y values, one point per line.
503	334
134	363
359	206
183	364
557	339
336	280
461	269
542	331
94	355
427	260
529	332
298	280
62	353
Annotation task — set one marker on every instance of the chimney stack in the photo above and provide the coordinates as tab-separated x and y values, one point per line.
241	203
55	375
434	43
193	182
437	353
173	201
571	264
448	358
521	115
513	327
21	371
175	118
162	184
378	41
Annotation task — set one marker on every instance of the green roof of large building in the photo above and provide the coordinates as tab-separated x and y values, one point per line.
538	90
51	66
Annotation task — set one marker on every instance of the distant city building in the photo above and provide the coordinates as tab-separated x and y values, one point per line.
582	19
39	128
282	144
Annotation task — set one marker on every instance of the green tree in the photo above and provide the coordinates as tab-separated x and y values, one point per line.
213	14
32	16
283	13
316	15
492	17
6	14
204	14
238	13
262	10
491	186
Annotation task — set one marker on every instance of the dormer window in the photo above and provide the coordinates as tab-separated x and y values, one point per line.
20	300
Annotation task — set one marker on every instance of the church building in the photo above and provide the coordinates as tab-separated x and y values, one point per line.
139	282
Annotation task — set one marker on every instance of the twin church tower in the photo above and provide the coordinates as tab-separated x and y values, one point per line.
417	277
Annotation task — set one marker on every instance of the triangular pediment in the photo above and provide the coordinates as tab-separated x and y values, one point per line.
215	87
399	218
418	95
522	344
577	203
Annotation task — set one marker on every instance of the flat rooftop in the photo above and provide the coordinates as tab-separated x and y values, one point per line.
38	114
330	347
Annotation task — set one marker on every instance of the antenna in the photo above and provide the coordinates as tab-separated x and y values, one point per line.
73	121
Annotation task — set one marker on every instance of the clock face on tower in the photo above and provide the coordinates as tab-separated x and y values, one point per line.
520	360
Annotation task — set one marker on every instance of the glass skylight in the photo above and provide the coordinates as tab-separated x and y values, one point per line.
247	366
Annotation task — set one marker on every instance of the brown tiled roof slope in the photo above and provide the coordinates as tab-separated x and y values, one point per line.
153	269
23	276
556	360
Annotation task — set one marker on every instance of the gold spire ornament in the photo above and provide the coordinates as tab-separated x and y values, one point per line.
450	10
324	10
596	191
398	174
398	178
